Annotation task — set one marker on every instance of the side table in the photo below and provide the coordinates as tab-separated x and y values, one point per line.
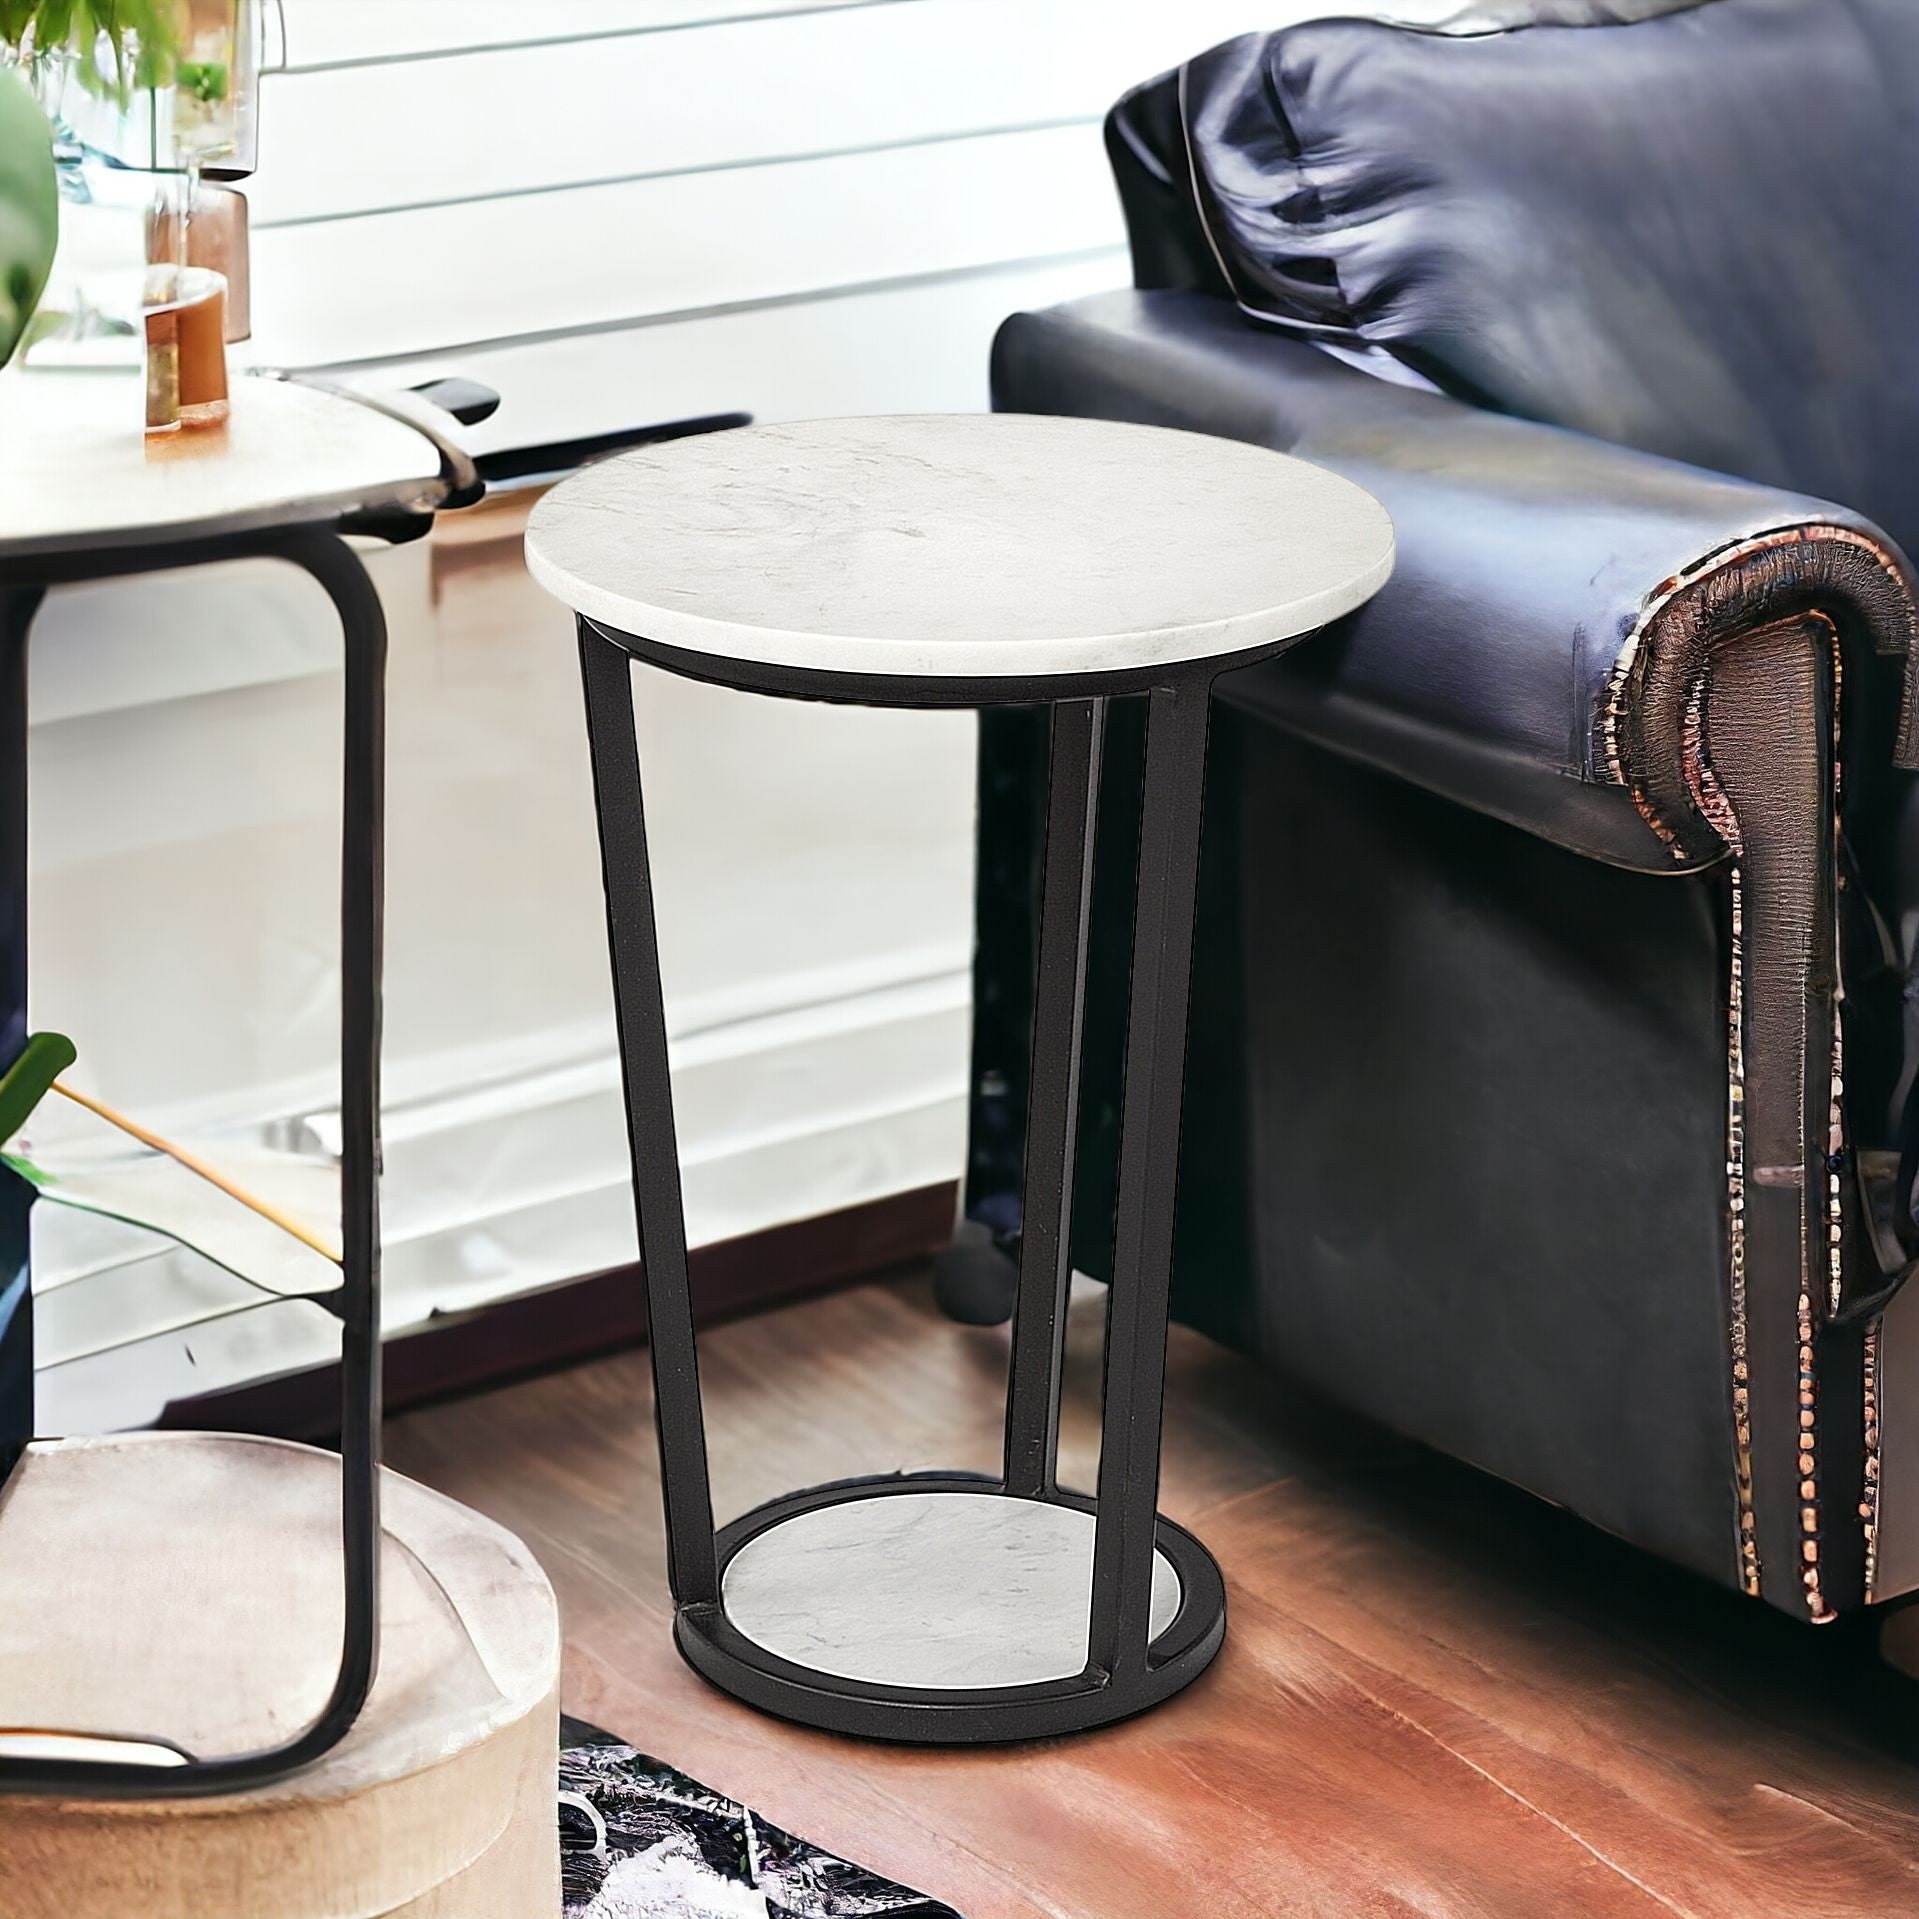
955	560
84	495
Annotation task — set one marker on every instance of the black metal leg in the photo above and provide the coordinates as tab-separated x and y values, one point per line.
17	607
338	571
692	1560
331	562
1045	1259
1148	1179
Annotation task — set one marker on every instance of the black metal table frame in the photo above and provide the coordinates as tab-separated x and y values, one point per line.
1127	1669
325	556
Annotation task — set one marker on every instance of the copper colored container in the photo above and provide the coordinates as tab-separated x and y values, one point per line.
217	238
186	348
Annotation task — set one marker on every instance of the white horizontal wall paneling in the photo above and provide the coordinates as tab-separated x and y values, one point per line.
353	33
496	191
920	347
396	284
529	119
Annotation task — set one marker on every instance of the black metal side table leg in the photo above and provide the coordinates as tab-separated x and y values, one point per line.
1123	1555
1059	1010
331	562
17	608
333	565
652	1139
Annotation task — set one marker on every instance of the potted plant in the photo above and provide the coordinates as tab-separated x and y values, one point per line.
145	97
164	85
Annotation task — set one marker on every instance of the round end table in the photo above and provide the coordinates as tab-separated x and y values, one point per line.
956	560
85	496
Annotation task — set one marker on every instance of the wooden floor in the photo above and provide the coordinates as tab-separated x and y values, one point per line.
1436	1697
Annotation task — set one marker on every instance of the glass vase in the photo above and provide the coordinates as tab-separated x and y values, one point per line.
131	159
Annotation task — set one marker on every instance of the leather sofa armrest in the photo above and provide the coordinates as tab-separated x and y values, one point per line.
1539	651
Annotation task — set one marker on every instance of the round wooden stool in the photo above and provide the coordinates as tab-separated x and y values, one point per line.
186	1586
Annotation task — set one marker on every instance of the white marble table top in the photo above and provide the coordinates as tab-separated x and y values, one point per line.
940	1590
187	1586
960	545
77	471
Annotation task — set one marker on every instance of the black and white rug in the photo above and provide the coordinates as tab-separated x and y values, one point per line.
641	1841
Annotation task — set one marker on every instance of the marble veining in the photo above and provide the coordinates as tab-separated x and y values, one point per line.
960	545
938	1590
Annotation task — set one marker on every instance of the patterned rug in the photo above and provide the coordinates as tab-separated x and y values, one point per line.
641	1841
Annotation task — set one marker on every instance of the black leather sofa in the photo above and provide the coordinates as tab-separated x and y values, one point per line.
1549	1060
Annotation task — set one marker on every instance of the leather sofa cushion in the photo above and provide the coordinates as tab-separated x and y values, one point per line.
1695	233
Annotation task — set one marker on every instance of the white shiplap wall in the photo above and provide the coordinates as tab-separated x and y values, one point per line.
577	202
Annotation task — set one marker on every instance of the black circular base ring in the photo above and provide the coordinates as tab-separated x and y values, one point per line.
719	1652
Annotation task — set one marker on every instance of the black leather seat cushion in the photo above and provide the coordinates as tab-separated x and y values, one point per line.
1537	221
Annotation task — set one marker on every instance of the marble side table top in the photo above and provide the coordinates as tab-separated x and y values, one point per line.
942	1590
962	546
77	472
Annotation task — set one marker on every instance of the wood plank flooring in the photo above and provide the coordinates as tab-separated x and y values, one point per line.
1437	1697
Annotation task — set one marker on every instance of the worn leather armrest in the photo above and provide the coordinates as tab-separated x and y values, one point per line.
1556	599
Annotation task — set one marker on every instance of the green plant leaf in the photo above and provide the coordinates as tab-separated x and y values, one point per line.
54	26
204	79
27	1081
140	37
29	208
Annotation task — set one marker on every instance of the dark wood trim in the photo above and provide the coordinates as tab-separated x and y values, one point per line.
596	1314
